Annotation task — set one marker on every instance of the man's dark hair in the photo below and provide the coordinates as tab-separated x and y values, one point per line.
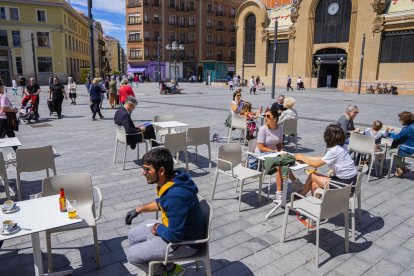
160	157
334	136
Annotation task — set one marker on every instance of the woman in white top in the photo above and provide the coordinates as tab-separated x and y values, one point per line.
289	113
336	157
237	103
270	139
72	90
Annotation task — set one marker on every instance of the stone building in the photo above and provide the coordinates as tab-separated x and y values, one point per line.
41	38
321	41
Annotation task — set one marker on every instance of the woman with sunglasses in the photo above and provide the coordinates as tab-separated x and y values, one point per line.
270	139
237	103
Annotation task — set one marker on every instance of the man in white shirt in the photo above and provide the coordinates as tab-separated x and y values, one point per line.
252	86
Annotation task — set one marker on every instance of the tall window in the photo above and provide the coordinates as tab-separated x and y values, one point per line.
171	21
250	39
42	39
41	15
146	18
332	21
282	51
2	13
135	36
3	38
44	64
134	18
398	47
135	53
16	38
14	13
19	65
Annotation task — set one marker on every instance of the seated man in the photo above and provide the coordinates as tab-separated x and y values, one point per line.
346	121
278	105
181	216
123	118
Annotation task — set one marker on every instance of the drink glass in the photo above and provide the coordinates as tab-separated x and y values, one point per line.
72	209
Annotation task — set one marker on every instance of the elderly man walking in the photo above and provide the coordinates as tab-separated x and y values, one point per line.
182	217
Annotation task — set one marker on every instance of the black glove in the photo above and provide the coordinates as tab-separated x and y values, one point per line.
130	216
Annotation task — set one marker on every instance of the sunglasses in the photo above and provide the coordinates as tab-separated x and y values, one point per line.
268	116
238	95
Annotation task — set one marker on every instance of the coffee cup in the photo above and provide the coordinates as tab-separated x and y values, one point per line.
8	205
8	225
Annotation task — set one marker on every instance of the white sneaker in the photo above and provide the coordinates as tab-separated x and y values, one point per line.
297	184
279	196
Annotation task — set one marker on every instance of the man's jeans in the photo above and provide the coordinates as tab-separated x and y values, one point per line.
146	248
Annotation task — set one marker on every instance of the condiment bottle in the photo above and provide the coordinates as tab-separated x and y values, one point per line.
62	200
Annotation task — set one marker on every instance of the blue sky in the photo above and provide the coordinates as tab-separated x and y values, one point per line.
111	14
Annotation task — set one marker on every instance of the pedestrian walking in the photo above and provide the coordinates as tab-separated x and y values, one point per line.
112	93
14	87
57	93
96	92
72	90
289	83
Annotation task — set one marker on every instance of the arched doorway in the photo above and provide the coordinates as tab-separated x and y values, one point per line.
329	70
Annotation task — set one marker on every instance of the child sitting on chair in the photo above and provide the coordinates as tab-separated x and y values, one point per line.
375	131
250	117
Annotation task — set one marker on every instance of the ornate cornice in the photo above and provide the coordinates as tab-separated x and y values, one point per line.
379	6
378	24
292	32
294	11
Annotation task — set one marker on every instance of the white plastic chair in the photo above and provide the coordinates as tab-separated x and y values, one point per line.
290	127
3	175
203	254
403	158
121	137
163	131
79	187
365	145
354	198
237	122
229	163
332	203
175	143
197	137
33	160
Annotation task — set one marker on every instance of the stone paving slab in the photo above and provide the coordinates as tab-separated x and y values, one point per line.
242	243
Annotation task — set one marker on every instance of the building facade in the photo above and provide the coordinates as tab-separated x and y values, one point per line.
114	53
204	27
321	41
56	32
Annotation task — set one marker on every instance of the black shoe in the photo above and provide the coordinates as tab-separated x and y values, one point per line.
101	117
93	119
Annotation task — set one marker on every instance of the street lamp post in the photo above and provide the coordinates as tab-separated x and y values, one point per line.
318	67
175	49
341	63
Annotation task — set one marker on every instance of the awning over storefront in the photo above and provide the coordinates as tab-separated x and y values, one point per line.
132	69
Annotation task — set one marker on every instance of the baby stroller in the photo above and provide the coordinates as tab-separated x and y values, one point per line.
29	108
165	89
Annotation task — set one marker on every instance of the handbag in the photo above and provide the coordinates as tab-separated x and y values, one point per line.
227	123
12	121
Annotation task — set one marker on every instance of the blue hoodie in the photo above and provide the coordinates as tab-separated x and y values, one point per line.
182	217
406	138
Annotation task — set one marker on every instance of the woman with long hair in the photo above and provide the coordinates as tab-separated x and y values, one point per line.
57	93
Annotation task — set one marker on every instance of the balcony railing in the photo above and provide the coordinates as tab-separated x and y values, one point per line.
209	11
220	44
134	22
156	39
220	29
132	40
181	25
191	41
156	21
134	3
180	8
209	26
146	20
191	25
157	5
171	6
172	23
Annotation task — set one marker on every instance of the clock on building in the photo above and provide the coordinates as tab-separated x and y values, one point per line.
333	8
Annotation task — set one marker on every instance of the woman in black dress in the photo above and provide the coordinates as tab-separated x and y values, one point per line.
57	93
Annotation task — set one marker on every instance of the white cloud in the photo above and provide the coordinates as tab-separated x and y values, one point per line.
108	26
117	6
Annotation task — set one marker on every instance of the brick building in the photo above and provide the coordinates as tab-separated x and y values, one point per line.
204	27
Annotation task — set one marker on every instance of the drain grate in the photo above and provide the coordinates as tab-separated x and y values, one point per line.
41	125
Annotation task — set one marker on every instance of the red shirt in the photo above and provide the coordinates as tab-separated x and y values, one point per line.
124	92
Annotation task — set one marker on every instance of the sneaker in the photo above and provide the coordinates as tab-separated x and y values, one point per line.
178	271
279	196
297	184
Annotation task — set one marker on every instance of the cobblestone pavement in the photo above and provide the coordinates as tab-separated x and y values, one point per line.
242	243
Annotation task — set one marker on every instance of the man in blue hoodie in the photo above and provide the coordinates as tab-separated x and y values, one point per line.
181	216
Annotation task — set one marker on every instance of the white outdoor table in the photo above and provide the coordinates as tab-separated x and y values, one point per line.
34	216
170	125
297	166
10	142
